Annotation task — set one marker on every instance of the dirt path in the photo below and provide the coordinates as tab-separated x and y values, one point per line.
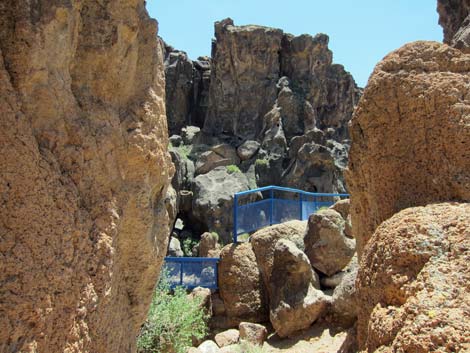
317	339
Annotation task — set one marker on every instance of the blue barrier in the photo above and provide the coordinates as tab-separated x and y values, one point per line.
273	205
192	272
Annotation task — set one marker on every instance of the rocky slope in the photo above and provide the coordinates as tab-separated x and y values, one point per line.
83	174
270	103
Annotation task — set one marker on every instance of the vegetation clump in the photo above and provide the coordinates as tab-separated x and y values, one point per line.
233	169
173	320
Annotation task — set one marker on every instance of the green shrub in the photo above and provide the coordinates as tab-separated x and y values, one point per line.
172	322
243	237
188	245
261	162
233	169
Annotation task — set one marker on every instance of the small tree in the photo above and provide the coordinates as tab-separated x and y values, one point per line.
173	320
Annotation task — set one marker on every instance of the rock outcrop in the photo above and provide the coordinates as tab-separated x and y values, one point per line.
326	244
454	17
413	282
240	284
264	241
187	89
411	135
84	170
213	200
295	303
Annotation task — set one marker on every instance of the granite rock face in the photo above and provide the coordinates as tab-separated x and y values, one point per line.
454	17
83	174
421	304
416	105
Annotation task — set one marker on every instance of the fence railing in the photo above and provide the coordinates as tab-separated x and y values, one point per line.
258	208
192	272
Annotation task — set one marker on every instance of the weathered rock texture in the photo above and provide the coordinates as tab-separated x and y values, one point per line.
411	135
454	17
240	284
84	169
187	89
413	282
295	303
326	244
264	241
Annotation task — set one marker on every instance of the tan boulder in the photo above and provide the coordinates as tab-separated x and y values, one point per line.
264	241
326	244
218	156
253	333
208	347
84	171
240	283
295	303
410	135
227	338
209	245
412	285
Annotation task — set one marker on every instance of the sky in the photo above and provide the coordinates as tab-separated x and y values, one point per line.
361	32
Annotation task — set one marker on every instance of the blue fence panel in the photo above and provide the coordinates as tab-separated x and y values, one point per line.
278	204
192	272
253	216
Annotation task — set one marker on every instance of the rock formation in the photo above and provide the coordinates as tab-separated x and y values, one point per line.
83	174
454	17
240	284
295	303
326	244
413	282
187	89
293	131
411	135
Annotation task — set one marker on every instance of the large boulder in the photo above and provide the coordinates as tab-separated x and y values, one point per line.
219	155
265	239
213	200
227	338
343	307
174	247
240	284
209	245
326	244
410	135
84	171
412	284
295	303
253	333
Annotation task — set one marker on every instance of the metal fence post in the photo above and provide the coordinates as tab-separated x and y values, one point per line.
271	213
235	218
181	274
314	203
301	213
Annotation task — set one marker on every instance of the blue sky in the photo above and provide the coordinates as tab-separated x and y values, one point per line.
361	31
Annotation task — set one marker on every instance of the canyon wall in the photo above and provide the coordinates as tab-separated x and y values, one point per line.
83	174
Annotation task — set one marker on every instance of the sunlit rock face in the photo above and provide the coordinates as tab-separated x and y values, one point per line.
83	174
